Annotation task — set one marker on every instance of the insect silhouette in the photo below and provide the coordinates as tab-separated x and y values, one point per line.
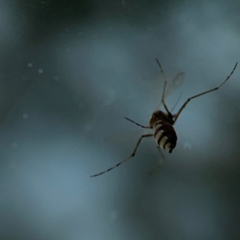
161	122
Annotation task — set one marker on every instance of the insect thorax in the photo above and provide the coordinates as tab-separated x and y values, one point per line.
160	116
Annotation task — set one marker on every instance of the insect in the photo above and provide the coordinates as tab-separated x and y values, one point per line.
161	122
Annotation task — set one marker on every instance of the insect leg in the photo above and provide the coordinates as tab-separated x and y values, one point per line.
200	94
132	155
137	123
164	88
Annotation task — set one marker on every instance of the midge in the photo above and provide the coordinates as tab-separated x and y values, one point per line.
162	122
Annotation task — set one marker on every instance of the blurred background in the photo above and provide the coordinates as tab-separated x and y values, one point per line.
70	72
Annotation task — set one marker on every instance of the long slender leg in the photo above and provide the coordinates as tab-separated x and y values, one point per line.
137	123
200	94
131	156
165	87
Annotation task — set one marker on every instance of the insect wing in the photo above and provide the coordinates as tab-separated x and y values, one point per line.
175	84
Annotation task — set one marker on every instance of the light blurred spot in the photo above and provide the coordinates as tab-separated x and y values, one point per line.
110	98
56	78
14	145
187	146
25	116
40	71
87	127
29	65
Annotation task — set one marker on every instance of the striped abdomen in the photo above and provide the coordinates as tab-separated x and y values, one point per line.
165	135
